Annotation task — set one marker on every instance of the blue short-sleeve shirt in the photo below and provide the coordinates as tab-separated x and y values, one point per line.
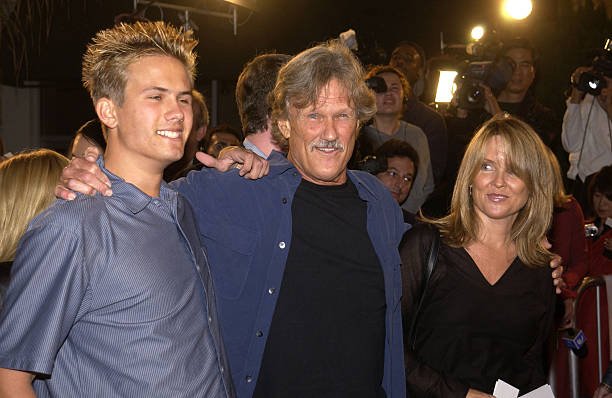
112	297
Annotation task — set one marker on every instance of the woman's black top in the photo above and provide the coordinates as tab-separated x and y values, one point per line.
470	333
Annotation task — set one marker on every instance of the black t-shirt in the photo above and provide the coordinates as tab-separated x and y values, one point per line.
327	336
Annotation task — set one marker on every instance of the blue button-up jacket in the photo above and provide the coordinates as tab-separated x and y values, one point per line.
246	228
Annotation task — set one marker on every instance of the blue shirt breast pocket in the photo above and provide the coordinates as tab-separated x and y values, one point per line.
230	253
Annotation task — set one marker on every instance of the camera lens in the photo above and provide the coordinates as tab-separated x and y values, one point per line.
591	82
476	95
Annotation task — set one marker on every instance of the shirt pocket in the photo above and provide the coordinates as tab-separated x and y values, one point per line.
230	253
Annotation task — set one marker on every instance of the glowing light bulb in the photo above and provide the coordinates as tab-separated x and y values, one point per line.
477	32
517	9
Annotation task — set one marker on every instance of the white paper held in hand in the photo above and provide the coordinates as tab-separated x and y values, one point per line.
505	390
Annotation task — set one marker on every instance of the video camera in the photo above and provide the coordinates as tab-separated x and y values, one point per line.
364	46
377	84
484	66
593	82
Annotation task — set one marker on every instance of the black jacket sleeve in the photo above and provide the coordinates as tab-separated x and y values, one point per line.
422	381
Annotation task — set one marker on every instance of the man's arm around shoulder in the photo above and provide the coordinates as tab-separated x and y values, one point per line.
16	383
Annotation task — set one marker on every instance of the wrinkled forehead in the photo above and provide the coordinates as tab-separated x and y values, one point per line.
332	95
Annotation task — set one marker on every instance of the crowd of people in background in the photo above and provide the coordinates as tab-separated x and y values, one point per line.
367	186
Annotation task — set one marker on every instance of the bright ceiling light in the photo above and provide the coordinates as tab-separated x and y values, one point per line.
517	9
477	32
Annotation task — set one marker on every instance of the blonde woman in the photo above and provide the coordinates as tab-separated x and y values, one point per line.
488	304
27	181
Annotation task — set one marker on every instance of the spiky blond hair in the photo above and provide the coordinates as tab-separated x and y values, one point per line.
111	51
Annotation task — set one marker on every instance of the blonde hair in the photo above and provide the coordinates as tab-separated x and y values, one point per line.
111	52
301	80
27	182
526	157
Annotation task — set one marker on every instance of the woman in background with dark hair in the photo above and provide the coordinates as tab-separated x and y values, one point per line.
600	195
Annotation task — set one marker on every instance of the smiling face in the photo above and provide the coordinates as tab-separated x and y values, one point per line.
398	177
390	102
150	128
322	136
497	193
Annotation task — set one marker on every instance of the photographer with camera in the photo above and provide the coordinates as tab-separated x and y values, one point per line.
499	78
506	85
587	127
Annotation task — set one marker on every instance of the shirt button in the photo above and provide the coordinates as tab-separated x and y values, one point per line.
271	290
221	369
281	245
249	379
284	200
198	267
209	319
259	333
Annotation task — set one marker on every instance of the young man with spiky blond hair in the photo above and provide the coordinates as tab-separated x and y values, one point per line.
111	296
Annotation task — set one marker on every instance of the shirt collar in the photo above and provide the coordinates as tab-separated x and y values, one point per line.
252	147
279	164
365	190
134	198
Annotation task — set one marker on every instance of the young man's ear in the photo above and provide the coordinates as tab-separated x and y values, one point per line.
107	112
285	128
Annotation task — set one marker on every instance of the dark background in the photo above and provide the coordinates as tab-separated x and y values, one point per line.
52	36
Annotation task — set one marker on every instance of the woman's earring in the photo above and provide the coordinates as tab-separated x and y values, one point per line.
470	190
